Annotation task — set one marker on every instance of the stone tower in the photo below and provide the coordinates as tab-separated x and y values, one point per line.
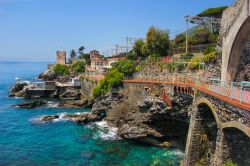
61	57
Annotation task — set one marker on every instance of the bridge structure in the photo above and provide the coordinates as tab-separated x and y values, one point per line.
220	117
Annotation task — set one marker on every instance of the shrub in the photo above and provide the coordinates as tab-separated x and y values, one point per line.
127	67
187	56
194	63
208	50
229	163
171	66
112	80
78	67
60	69
210	58
180	66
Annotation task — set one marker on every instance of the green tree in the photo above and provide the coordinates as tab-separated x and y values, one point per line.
138	48
81	50
61	70
180	40
78	67
86	57
72	54
157	42
127	67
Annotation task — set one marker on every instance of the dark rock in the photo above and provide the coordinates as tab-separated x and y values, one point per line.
49	118
48	75
102	104
77	104
83	118
70	94
31	104
63	79
18	87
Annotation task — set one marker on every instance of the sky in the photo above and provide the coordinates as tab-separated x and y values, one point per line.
33	30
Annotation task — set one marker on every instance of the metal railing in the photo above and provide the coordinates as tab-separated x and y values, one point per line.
235	91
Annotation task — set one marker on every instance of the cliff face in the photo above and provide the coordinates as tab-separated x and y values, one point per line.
146	117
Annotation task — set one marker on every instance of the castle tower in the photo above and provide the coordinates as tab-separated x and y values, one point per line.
61	57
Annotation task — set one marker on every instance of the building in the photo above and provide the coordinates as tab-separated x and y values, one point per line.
97	63
100	65
61	57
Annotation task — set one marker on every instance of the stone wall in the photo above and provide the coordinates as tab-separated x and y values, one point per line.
87	86
243	72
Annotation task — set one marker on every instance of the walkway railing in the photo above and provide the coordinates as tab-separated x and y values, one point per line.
235	93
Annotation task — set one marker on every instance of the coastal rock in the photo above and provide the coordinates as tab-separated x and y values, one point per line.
49	118
63	79
103	104
83	118
70	94
86	103
18	87
152	104
31	104
145	117
48	75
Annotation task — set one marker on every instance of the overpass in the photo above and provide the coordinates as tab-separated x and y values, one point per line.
220	108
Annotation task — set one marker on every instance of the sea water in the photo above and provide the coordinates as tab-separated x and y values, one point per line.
24	141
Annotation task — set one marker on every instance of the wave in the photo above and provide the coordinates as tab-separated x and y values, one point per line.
106	132
52	104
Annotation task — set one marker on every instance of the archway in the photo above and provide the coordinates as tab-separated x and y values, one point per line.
239	54
237	146
203	136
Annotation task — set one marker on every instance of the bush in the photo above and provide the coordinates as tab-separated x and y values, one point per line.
180	66
208	50
112	80
229	163
171	66
60	69
210	58
194	63
187	56
127	67
78	67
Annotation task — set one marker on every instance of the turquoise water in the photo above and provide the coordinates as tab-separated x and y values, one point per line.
24	141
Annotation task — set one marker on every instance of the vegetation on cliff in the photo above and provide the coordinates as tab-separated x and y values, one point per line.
61	70
76	68
199	36
213	12
113	79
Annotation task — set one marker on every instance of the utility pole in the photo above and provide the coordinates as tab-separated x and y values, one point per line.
116	49
127	46
187	20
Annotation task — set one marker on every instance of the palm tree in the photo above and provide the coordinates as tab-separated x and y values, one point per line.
72	54
80	50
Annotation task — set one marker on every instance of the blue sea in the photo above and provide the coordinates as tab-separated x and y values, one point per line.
24	141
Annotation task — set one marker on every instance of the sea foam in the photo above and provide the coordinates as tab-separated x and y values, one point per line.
106	132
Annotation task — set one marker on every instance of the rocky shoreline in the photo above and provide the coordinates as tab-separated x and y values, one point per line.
147	119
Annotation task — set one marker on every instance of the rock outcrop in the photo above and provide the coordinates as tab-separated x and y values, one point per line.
48	75
31	104
85	103
83	118
19	89
70	93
